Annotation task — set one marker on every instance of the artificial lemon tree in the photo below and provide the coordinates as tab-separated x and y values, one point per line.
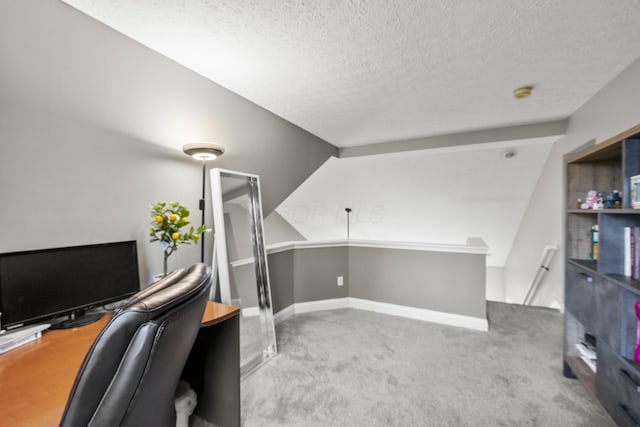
168	220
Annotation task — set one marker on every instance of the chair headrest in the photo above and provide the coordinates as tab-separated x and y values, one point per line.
161	284
178	286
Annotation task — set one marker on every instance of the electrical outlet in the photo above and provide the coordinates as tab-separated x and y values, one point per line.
340	281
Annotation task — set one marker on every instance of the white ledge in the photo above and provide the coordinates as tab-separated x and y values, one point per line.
474	245
241	262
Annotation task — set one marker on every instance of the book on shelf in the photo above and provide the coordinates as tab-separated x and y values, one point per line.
631	266
634	186
635	253
627	251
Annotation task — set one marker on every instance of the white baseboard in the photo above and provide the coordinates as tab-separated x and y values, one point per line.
308	307
250	311
284	314
325	304
468	322
441	317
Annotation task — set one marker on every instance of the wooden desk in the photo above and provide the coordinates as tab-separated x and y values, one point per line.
35	379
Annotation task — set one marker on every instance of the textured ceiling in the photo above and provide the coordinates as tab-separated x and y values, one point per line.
366	71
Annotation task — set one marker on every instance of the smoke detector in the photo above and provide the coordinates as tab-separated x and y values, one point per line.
522	92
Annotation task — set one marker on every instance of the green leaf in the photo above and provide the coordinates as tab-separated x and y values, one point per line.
163	231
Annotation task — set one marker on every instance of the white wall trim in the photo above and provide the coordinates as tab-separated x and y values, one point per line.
474	245
241	262
441	317
451	319
250	311
284	314
320	305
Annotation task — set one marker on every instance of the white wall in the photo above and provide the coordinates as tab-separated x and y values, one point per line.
277	229
495	284
436	196
611	111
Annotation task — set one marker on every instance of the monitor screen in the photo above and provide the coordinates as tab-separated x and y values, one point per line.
42	284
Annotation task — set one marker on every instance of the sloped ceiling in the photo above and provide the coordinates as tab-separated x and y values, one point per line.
438	196
360	72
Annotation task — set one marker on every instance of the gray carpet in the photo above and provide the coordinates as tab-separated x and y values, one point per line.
355	368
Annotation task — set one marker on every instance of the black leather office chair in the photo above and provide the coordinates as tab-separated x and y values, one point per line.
130	374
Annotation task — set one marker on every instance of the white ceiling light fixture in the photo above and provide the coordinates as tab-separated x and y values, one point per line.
203	151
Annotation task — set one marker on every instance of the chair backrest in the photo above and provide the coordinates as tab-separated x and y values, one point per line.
130	374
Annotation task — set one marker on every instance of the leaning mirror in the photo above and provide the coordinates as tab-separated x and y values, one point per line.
241	263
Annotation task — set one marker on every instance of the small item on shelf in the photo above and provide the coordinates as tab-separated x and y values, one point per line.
593	201
590	340
587	351
594	243
578	203
611	199
636	354
634	186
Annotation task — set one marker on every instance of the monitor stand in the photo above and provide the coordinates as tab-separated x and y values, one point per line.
77	319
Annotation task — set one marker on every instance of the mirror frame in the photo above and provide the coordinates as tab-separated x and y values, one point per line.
220	261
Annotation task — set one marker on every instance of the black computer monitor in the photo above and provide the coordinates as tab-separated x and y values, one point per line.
41	285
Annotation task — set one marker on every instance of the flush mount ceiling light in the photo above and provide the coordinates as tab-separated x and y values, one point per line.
522	92
203	151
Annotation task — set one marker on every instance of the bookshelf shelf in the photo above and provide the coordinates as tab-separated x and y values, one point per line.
599	298
604	211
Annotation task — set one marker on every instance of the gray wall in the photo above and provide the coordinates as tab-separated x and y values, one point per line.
281	271
91	125
316	272
438	281
243	285
611	111
307	275
242	279
237	232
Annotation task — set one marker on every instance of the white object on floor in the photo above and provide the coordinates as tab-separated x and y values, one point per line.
586	351
15	339
185	402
